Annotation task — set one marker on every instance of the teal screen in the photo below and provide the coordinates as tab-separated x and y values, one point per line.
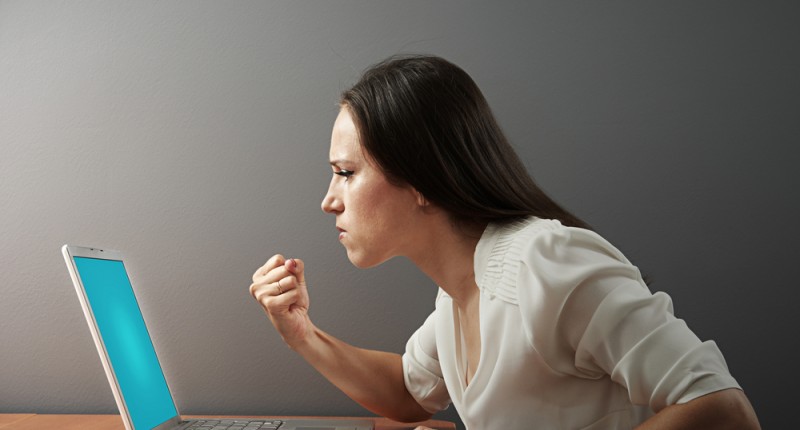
127	342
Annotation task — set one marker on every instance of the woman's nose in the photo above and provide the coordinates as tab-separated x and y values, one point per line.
330	203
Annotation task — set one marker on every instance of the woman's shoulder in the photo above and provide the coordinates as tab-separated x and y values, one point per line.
502	242
520	228
499	252
536	237
535	244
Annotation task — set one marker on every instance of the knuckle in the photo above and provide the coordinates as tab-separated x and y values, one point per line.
273	306
263	296
275	260
259	295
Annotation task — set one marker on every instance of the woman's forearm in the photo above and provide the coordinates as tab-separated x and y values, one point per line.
374	379
727	409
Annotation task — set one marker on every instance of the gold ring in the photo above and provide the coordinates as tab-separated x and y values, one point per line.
280	290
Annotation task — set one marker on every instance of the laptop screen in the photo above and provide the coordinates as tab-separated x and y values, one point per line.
130	350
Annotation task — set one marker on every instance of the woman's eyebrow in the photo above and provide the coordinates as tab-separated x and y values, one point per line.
339	161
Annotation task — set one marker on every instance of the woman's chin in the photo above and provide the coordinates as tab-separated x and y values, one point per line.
362	261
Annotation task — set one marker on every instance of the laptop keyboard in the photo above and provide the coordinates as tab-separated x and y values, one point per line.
255	424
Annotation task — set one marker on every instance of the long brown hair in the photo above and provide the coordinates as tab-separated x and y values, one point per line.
425	123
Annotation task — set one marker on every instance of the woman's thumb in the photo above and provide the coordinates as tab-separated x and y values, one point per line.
295	267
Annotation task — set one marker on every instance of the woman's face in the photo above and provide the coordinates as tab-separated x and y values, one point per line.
374	218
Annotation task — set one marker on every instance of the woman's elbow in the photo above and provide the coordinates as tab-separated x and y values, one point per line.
411	415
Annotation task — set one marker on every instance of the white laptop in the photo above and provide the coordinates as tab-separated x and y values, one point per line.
130	361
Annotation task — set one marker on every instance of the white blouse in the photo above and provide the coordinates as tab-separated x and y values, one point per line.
571	338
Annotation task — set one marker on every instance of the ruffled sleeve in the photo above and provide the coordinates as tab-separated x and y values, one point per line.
421	369
589	314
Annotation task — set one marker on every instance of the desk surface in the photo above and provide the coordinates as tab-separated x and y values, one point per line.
114	422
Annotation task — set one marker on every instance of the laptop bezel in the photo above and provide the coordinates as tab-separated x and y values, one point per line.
70	252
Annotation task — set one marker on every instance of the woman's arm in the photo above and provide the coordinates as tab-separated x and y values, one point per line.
372	378
726	409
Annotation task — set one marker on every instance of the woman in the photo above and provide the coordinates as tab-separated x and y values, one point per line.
539	322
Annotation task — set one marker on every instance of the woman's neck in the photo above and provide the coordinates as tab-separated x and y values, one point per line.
446	255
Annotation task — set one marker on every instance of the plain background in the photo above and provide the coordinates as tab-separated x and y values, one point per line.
193	136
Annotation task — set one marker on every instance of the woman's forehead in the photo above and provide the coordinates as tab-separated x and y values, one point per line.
344	139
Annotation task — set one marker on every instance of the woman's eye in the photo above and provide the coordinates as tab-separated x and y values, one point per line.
345	173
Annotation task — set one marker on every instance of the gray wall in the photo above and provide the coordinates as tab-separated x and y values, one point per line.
194	137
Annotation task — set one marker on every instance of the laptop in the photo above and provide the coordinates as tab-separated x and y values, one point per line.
130	360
